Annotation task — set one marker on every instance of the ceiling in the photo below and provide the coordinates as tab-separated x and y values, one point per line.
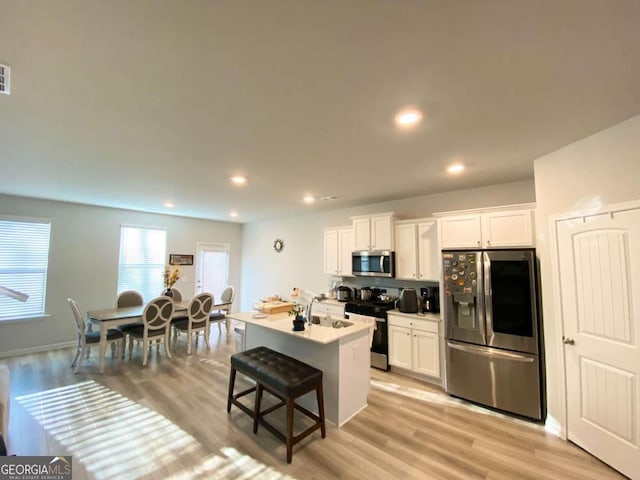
133	103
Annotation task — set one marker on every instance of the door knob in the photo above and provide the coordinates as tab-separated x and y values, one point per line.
568	341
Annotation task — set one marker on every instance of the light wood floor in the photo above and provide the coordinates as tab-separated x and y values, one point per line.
169	420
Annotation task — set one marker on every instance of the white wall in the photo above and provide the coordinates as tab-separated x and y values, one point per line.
601	169
83	261
300	264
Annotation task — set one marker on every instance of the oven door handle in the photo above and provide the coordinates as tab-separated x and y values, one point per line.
491	352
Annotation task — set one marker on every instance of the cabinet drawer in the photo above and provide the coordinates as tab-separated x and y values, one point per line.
417	324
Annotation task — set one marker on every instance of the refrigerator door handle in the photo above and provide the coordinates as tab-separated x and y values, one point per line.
491	352
488	307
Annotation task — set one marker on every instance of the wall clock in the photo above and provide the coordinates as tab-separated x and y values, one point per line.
278	245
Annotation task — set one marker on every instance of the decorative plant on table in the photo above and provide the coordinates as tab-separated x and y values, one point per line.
170	278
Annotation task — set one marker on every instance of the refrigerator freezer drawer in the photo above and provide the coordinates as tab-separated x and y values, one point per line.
497	378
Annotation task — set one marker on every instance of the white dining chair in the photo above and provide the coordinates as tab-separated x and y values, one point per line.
222	309
129	298
114	336
196	322
156	326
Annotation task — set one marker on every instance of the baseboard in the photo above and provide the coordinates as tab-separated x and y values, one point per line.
42	348
417	376
552	425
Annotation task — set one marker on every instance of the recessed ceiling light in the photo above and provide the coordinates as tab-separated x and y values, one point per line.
455	168
233	214
239	179
408	117
169	204
308	199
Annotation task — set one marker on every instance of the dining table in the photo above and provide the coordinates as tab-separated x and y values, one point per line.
113	317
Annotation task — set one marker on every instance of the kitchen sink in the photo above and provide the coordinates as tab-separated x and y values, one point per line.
323	322
341	324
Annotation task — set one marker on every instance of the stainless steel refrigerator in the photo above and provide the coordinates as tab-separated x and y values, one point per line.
493	352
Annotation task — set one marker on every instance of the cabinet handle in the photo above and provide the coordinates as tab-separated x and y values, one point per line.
488	242
478	242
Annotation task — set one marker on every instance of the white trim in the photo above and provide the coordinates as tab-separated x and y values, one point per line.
602	209
519	206
15	218
409	221
554	427
146	227
41	348
25	319
561	424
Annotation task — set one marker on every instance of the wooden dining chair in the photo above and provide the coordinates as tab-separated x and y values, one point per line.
114	336
196	322
222	309
156	326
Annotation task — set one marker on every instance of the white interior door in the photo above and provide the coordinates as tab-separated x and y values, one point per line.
599	268
212	267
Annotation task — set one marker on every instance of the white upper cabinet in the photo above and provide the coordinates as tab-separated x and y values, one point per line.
338	245
345	248
502	227
460	231
331	251
373	232
406	251
508	229
417	255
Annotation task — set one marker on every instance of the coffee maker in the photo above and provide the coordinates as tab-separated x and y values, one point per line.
430	299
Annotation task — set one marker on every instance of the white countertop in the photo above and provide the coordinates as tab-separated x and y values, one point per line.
283	323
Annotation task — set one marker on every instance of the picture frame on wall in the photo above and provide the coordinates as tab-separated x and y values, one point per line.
175	259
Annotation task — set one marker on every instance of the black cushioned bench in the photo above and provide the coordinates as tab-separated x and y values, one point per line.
283	377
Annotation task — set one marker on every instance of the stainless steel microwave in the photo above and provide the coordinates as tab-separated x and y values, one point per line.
375	263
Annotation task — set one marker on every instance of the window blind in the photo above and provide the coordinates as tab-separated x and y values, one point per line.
142	255
24	257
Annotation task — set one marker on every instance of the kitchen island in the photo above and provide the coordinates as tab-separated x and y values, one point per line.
341	353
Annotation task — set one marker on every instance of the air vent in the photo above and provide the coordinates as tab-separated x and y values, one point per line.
4	79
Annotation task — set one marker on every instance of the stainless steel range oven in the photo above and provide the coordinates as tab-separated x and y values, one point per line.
374	313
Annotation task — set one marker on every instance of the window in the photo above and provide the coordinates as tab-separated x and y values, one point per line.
142	255
24	256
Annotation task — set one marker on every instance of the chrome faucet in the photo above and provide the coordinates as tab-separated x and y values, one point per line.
310	305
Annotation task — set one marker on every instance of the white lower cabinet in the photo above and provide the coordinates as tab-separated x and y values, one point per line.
400	347
414	344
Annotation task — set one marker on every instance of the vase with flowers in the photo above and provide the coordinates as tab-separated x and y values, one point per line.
170	278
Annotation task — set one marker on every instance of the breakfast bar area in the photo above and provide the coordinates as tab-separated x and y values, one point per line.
341	353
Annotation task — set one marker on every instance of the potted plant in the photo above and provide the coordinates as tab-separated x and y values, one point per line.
298	320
